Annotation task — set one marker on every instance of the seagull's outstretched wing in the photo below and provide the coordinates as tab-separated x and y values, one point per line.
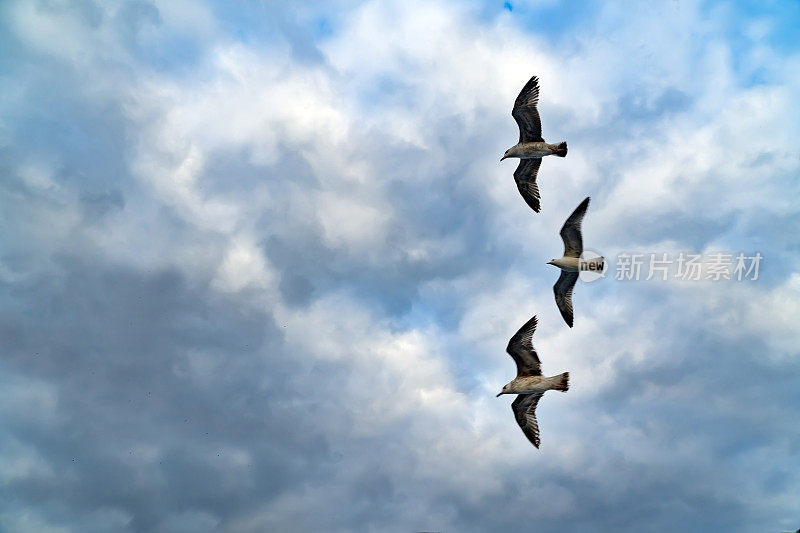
524	408
520	347
525	176
563	291
526	114
571	231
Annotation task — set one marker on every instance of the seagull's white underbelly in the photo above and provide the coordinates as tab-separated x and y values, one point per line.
570	264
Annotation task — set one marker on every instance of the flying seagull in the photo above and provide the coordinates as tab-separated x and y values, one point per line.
529	385
572	263
531	148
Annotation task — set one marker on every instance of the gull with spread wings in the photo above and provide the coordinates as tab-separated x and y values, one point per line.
529	385
572	263
531	147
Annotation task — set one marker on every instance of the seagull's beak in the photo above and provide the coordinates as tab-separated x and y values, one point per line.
499	394
503	157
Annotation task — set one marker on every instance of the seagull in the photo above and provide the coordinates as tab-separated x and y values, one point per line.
529	385
572	263
531	148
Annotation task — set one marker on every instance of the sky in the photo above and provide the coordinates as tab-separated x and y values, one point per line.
259	263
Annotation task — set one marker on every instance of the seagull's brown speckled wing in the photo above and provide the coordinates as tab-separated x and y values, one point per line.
571	231
525	176
526	114
520	348
563	292
524	408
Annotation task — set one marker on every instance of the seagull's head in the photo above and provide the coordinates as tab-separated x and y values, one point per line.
551	262
505	155
504	391
509	153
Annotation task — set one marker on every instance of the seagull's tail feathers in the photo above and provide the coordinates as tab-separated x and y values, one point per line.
561	149
561	382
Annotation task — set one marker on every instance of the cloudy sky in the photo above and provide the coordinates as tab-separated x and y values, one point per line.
259	265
